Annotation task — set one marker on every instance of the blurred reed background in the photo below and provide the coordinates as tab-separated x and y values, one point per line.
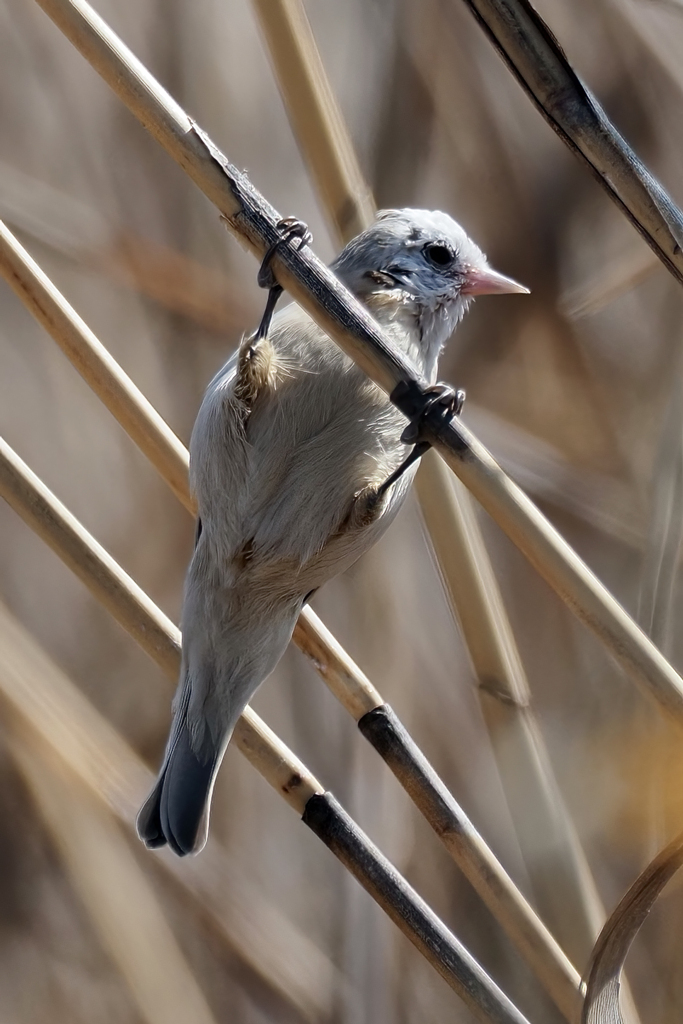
575	389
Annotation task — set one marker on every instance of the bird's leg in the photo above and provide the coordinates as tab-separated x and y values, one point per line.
441	396
291	228
274	293
368	502
417	452
256	357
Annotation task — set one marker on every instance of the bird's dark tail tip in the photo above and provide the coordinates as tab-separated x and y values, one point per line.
177	810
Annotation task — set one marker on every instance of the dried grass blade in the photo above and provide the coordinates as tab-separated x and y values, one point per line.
602	995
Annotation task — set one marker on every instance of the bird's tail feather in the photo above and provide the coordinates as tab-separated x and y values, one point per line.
177	810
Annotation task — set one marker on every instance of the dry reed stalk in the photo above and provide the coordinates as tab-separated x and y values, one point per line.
344	678
348	323
665	533
602	1005
537	61
287	964
531	938
278	765
563	886
316	119
113	387
121	903
565	891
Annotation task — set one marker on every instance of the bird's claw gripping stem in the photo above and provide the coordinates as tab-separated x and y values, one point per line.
437	396
417	404
290	228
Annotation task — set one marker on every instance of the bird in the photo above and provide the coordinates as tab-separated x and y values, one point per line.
290	457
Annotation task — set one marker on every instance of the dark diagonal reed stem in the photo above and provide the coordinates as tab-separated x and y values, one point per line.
539	64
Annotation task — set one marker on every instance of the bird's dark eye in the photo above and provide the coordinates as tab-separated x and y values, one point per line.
439	254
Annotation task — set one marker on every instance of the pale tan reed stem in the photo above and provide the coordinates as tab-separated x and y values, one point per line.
317	121
563	886
94	363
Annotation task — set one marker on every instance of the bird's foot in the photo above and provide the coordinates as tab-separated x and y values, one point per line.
291	228
440	396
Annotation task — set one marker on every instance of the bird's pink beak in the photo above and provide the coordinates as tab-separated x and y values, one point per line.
484	281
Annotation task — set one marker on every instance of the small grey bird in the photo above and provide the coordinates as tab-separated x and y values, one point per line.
287	459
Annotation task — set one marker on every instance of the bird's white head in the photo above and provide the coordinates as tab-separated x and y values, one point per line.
427	257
